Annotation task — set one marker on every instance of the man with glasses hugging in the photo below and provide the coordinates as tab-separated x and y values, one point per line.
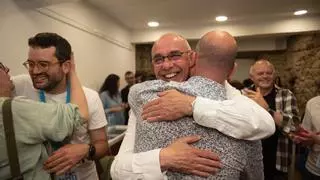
48	64
143	156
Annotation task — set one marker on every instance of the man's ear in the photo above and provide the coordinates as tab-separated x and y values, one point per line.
192	59
66	66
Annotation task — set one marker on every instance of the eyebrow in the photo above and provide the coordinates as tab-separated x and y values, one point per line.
174	51
38	60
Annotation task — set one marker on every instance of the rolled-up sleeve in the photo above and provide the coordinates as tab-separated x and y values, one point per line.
239	117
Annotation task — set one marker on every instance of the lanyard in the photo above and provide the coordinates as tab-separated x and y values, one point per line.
42	95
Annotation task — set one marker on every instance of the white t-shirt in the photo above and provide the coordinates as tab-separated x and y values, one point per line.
311	122
24	87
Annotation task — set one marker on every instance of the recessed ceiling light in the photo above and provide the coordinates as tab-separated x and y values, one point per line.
153	24
221	18
300	12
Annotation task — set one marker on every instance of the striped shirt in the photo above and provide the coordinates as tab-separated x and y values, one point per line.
286	103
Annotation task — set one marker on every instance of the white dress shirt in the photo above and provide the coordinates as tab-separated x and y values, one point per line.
239	117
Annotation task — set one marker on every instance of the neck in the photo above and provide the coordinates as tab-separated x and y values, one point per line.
212	74
265	92
60	88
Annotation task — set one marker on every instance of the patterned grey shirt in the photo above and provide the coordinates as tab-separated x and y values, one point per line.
241	159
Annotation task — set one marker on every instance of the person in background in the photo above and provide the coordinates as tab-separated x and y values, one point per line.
247	83
236	84
130	79
112	102
48	64
140	76
35	123
309	136
282	105
277	81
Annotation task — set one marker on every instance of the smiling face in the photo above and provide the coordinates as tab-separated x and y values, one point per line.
176	68
263	75
45	70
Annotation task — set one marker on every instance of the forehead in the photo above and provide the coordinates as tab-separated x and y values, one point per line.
41	54
166	45
262	67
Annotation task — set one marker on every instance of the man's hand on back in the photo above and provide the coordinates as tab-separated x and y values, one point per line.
182	157
170	105
65	158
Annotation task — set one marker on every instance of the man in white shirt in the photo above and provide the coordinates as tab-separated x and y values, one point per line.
48	64
310	136
180	155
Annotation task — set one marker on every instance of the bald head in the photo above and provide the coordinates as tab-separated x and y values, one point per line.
171	40
171	58
217	48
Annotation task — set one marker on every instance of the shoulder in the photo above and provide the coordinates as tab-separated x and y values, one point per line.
97	116
146	86
284	92
90	93
125	88
21	78
313	101
23	86
231	91
92	96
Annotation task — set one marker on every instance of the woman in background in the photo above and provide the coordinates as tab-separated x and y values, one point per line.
111	99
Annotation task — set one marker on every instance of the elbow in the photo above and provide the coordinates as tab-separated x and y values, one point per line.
269	127
85	116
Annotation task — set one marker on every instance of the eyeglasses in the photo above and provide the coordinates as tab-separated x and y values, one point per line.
172	56
41	65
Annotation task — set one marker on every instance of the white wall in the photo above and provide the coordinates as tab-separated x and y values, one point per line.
100	44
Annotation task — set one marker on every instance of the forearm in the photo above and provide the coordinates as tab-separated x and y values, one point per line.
99	141
102	149
240	117
77	95
289	115
113	109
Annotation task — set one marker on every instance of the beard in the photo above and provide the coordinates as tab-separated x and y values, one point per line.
51	82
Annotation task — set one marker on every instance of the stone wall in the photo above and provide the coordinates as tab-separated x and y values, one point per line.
302	69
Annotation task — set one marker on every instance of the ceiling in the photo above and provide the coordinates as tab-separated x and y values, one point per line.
134	14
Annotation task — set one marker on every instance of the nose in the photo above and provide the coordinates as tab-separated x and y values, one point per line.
167	64
35	70
265	75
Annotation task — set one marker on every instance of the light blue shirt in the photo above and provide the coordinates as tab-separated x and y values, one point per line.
113	118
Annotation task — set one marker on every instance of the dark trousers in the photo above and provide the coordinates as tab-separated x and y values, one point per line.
309	176
276	175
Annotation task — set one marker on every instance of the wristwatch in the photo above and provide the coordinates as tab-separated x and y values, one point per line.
91	152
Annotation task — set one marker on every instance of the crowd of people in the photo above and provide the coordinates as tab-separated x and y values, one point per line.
188	123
